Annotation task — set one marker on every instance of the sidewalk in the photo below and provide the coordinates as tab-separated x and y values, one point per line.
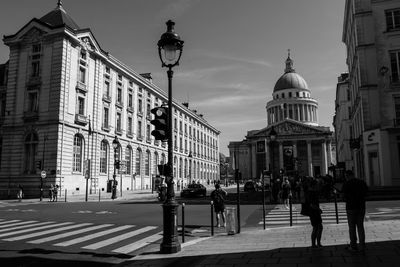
289	246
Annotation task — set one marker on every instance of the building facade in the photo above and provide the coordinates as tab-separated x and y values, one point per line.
64	100
342	123
371	33
302	147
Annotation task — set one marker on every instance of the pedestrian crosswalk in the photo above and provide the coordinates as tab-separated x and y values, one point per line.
121	239
279	216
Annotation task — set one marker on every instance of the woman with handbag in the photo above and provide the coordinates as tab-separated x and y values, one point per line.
314	211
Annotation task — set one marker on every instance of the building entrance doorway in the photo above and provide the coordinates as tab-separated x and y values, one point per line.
317	171
374	169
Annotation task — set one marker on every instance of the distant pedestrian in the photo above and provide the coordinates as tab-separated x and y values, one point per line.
218	198
55	193
286	192
355	192
20	194
312	200
51	192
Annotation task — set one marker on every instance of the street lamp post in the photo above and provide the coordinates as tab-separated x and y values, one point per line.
115	145
170	51
272	138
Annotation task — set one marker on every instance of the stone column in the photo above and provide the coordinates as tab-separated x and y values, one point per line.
280	155
329	153
324	162
309	159
267	159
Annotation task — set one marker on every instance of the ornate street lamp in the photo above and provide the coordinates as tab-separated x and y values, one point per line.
115	145
170	51
272	138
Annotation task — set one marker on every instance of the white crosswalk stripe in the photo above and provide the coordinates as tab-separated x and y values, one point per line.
46	232
97	237
23	226
279	216
139	244
34	229
68	234
92	236
14	224
7	222
119	238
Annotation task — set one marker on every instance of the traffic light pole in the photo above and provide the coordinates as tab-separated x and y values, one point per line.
170	242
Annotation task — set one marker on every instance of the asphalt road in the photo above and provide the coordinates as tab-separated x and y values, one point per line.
121	229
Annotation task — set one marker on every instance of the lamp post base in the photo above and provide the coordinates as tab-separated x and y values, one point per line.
170	243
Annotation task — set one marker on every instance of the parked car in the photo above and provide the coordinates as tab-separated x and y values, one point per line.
194	190
250	186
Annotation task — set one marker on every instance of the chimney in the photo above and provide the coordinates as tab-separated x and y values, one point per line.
147	76
201	115
186	104
195	111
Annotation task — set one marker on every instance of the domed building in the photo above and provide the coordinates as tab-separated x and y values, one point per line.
292	142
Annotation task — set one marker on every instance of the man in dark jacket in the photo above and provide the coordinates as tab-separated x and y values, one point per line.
355	192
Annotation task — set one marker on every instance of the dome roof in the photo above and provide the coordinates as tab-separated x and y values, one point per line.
290	79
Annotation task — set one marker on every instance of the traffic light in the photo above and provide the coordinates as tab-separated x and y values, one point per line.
39	164
117	164
160	122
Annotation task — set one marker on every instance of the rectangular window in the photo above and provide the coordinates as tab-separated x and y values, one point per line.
130	100
119	122
103	157
129	126
119	95
140	106
397	109
82	75
139	129
105	117
83	54
81	106
148	132
35	68
392	19
36	48
148	110
394	64
33	101
106	88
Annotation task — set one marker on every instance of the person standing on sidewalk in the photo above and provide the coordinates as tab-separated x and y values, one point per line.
312	200
354	192
217	197
286	192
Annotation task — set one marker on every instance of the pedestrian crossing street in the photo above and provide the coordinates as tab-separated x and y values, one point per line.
279	216
106	238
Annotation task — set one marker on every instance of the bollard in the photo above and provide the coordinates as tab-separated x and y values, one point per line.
230	220
183	222
65	195
336	208
212	218
99	194
290	210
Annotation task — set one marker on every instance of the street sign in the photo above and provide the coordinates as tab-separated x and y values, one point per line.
43	174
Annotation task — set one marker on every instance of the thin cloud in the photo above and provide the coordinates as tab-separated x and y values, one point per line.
226	101
177	8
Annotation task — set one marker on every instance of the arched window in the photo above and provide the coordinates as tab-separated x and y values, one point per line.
77	153
147	163
128	159
31	146
138	161
103	156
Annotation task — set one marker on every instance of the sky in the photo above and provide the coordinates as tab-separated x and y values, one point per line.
234	50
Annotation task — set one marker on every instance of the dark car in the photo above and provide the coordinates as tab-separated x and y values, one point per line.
250	186
194	190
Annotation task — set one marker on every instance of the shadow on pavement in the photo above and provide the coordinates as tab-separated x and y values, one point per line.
378	254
